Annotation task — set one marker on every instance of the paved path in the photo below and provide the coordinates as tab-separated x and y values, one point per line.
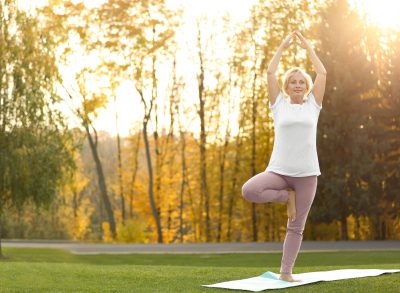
258	247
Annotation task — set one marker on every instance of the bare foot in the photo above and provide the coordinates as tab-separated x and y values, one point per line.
291	205
288	277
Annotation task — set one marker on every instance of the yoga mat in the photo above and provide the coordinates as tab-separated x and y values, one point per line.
270	280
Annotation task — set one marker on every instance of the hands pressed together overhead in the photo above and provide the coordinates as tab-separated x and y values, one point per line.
295	38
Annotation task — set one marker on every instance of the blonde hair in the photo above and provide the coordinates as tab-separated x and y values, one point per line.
292	71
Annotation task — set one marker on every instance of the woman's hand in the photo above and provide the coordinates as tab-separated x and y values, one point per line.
286	42
304	43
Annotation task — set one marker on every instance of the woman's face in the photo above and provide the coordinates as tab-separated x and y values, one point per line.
297	86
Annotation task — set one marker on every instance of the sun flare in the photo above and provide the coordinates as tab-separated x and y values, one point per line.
383	13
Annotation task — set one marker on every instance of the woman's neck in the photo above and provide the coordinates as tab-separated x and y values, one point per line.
296	100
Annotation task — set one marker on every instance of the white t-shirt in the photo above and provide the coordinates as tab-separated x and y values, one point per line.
295	145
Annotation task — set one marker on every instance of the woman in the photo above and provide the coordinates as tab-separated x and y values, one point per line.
291	175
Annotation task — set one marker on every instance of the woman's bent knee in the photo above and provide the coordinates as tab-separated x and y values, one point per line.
248	192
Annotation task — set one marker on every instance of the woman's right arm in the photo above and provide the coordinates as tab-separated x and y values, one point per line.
273	85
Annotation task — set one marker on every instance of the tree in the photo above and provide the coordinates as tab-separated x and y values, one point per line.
74	24
382	208
35	156
87	112
346	157
137	34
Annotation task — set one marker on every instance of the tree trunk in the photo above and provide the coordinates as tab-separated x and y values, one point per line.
379	227
253	156
101	181
204	188
222	169
158	165
221	190
134	172
196	220
75	204
150	186
233	191
203	142
121	188
183	182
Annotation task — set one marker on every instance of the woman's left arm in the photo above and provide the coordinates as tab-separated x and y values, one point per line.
320	80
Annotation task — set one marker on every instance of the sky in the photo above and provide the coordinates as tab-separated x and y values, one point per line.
385	13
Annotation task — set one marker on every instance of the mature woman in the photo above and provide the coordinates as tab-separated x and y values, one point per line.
291	175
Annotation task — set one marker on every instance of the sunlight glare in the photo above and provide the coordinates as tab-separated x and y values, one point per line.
384	13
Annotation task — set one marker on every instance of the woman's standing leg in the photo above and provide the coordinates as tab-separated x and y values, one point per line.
266	187
305	188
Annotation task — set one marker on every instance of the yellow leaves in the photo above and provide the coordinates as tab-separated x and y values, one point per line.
107	235
76	219
132	231
94	103
324	231
77	209
80	228
81	31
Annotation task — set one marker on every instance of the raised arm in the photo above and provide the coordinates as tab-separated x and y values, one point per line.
273	85
318	89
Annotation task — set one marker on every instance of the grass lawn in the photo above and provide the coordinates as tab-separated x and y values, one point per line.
52	270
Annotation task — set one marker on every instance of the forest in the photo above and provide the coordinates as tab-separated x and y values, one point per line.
202	123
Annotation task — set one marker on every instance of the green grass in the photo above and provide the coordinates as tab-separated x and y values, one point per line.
52	270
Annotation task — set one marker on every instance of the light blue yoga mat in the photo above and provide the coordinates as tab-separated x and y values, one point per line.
270	280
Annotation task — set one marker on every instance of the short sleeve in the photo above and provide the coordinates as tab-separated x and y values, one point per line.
312	101
278	100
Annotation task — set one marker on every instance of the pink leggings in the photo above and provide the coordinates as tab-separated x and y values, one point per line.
271	187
